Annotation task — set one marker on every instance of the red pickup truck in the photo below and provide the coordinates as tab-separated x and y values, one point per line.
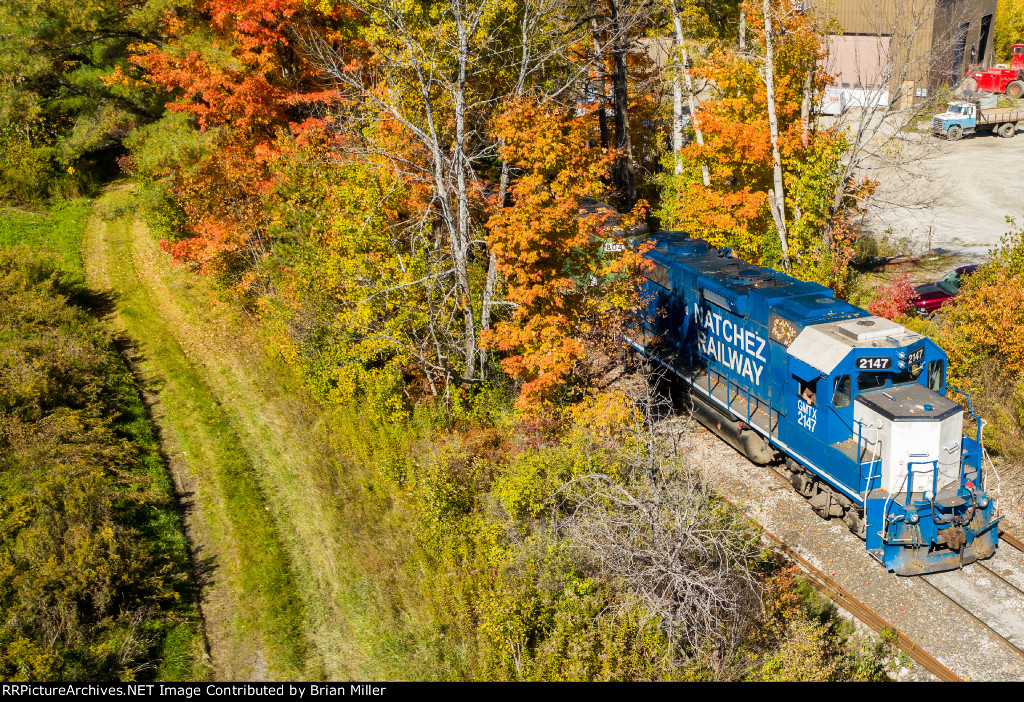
932	296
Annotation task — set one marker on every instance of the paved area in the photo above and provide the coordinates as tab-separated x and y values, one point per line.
962	190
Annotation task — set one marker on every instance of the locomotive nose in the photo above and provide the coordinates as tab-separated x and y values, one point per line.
916	435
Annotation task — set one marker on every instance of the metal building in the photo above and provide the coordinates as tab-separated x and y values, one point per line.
908	48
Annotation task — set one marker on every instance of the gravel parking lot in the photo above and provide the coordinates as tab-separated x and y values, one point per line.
962	190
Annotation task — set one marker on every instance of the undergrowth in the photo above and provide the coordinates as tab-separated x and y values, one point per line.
95	577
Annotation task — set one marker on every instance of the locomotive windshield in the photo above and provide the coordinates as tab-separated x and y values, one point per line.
873	381
910	375
870	381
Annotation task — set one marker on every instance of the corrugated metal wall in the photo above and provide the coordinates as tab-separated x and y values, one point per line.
931	42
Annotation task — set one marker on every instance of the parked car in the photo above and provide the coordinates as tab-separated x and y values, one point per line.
932	296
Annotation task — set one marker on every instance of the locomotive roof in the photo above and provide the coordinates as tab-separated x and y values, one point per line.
910	403
823	346
731	278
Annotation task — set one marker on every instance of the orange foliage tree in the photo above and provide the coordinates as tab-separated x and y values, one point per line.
547	252
984	326
734	210
236	75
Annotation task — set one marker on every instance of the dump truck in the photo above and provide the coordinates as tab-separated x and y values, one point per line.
966	117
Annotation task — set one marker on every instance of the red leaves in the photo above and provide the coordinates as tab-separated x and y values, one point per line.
231	65
894	300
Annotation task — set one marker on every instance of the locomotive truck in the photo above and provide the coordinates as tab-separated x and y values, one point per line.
851	407
1001	79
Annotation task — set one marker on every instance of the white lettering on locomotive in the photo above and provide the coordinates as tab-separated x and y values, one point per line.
730	344
807	416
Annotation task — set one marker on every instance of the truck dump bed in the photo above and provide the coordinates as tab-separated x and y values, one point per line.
1000	115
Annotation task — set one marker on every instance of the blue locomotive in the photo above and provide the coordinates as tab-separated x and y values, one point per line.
853	406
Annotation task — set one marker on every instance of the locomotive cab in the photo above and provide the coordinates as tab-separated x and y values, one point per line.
891	432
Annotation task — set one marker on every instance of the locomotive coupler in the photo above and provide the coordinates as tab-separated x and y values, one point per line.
952	501
954	537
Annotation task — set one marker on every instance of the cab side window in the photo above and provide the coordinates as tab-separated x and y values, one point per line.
842	392
809	392
936	375
870	381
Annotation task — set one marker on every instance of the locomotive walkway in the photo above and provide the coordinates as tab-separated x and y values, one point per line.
970	621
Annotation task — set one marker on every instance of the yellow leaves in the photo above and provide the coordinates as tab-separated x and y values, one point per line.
607	416
119	78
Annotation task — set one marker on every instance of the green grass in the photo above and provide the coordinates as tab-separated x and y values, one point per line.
180	649
56	230
249	556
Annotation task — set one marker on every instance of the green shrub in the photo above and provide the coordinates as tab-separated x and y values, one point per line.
93	565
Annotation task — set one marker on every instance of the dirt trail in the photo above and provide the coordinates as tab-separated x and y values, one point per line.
270	424
250	625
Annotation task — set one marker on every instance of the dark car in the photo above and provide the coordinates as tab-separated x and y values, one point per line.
932	296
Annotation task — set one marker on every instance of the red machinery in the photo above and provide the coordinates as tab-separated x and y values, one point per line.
1000	80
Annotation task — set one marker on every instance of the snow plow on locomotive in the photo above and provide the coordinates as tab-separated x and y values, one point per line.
853	406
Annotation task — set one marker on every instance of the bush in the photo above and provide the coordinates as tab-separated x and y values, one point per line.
93	571
896	300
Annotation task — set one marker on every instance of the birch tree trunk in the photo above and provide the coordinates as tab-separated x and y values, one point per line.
677	102
602	88
462	252
777	197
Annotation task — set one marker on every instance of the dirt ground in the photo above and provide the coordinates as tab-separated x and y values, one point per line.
974	184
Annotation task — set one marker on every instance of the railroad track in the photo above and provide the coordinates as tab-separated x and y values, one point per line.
987	596
1010	637
959	588
842	597
1014	543
966	591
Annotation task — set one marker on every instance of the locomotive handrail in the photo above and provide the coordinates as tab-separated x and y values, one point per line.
876	457
970	408
910	475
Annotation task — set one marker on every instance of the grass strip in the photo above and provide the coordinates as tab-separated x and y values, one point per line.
266	620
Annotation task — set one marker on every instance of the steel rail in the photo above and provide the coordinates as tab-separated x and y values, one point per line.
999	577
842	597
1005	641
838	594
1012	540
865	614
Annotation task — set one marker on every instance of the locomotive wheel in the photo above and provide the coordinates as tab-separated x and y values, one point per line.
954	133
1015	89
854	519
1008	130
